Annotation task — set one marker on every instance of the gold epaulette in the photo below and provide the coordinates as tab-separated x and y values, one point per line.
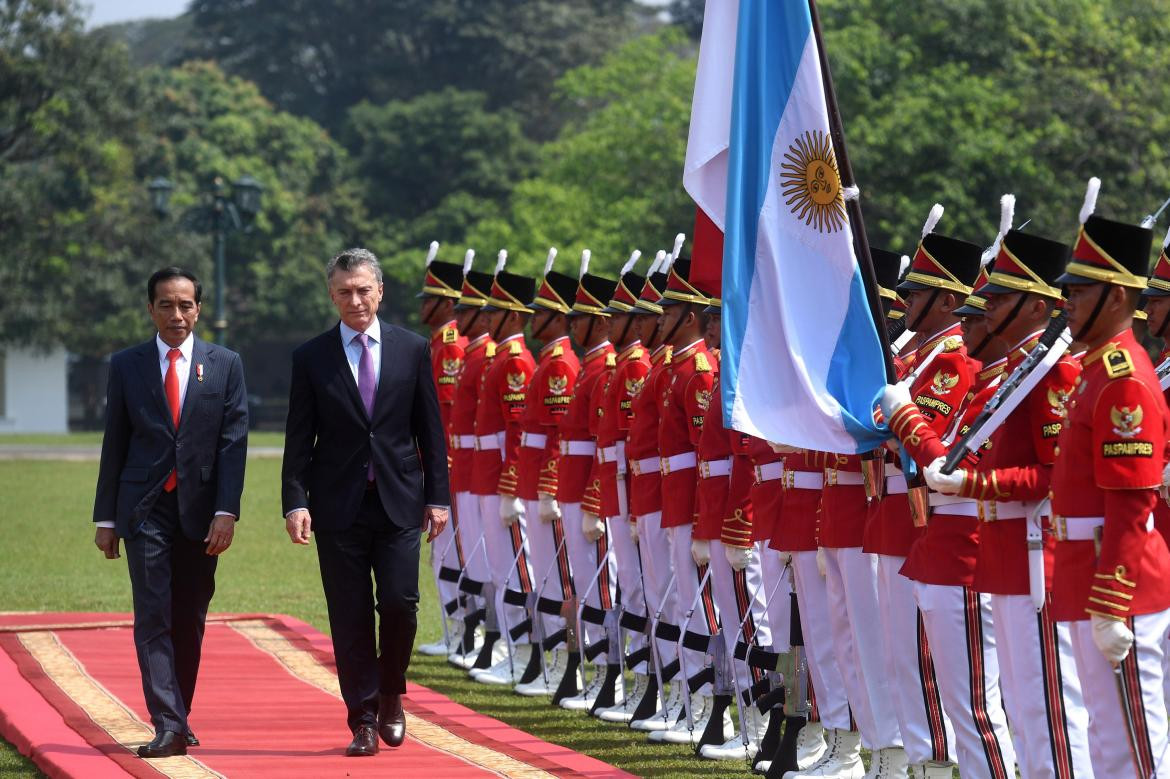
1117	363
489	350
558	351
636	353
515	348
952	344
610	360
702	364
450	335
669	356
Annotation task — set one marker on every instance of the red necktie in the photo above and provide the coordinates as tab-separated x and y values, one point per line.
171	385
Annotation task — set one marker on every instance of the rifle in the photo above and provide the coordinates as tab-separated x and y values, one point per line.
1053	343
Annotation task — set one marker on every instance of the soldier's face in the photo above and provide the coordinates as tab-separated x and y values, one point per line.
975	329
1082	301
1158	310
647	325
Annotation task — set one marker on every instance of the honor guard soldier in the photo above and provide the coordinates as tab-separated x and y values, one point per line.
692	378
589	329
1157	307
471	322
502	396
1110	579
440	290
606	496
941	276
1041	692
956	619
548	400
645	494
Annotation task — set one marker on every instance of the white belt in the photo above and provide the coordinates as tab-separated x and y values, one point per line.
896	485
709	469
533	440
645	465
462	442
677	462
1084	528
578	448
991	510
484	443
613	454
834	477
804	480
963	507
769	472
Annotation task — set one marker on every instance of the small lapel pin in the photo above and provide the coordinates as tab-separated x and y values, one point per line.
199	372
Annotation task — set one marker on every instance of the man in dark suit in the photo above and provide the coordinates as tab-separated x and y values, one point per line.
170	479
365	466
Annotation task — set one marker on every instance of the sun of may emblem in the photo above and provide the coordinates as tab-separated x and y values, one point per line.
812	187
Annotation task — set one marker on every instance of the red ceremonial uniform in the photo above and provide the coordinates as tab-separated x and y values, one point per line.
938	393
767	492
642	447
684	403
576	436
740	527
1161	508
844	508
1109	470
621	386
447	349
462	429
549	393
714	484
504	388
946	553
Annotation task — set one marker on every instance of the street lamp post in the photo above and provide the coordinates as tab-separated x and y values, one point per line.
223	215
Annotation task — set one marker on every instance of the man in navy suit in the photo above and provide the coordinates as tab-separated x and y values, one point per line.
365	467
171	475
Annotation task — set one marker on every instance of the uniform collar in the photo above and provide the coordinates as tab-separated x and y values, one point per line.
561	340
991	370
1018	352
660	354
630	347
928	345
601	348
1122	339
686	351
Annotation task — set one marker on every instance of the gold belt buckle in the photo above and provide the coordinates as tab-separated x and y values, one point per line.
1059	527
704	469
831	477
789	479
759	474
664	466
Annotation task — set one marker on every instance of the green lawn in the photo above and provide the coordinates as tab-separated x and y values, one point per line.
94	437
48	562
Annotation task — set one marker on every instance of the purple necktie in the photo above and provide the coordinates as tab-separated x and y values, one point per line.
366	386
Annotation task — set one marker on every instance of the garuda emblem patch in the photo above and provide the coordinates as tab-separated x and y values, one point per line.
634	386
943	382
515	381
1058	401
703	399
557	385
1127	422
452	366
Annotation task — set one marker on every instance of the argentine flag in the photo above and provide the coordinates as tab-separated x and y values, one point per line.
802	360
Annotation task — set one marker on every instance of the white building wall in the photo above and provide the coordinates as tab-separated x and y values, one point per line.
35	397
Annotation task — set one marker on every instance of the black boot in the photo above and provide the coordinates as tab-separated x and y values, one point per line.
713	733
607	696
484	660
568	686
649	703
785	758
773	705
532	670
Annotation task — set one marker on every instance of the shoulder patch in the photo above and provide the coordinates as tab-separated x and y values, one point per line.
489	350
610	360
450	335
1117	363
515	348
558	351
702	364
952	344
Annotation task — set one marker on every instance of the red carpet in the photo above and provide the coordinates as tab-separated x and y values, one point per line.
73	703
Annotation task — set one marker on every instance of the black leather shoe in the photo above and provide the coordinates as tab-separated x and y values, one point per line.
364	744
167	743
192	739
391	720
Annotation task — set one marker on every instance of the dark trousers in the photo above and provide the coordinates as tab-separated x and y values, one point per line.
172	579
374	543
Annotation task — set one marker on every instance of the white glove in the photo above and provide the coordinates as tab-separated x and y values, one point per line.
633	531
549	508
592	526
511	509
821	564
1112	637
946	483
782	448
739	557
894	396
700	551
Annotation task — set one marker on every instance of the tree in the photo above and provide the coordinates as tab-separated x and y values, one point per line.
319	59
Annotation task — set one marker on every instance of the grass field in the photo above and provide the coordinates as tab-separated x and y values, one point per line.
94	438
48	563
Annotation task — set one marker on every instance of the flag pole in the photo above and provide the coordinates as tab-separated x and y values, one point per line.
852	206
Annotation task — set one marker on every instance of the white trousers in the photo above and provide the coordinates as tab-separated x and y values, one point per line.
741	598
471	537
659	587
958	627
592	589
507	553
823	661
553	577
778	580
629	572
704	620
1041	690
851	590
445	553
1141	676
926	732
